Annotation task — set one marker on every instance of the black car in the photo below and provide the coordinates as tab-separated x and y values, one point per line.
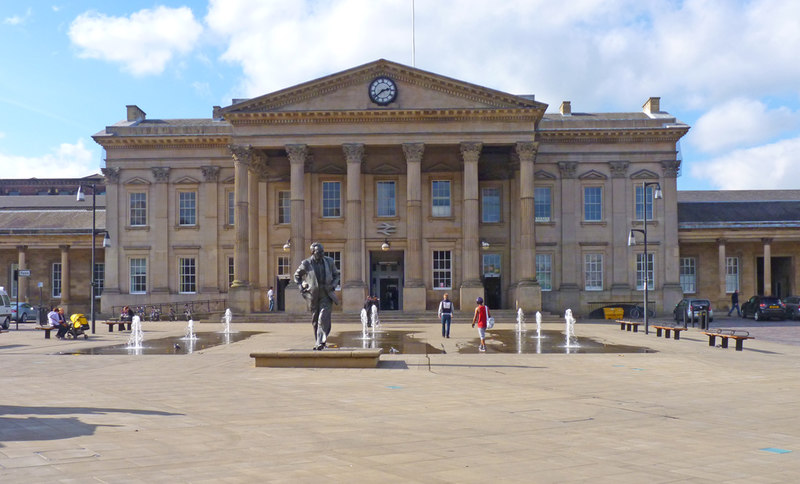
692	309
764	307
792	307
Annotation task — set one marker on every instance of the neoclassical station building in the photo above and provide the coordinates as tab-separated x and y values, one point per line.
415	183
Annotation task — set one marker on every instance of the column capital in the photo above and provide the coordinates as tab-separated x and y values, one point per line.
526	150
568	169
721	241
619	169
241	153
64	247
471	150
161	173
210	173
22	248
259	165
671	168
353	152
414	151
298	153
111	174
766	240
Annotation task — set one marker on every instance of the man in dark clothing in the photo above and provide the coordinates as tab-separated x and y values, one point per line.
735	303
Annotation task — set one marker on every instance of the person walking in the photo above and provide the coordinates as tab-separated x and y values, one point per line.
446	315
735	303
480	318
271	299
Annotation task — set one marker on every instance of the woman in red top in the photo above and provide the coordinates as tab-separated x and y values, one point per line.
480	317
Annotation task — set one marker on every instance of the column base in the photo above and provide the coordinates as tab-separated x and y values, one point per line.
240	300
467	296
293	302
529	296
414	299
670	297
353	297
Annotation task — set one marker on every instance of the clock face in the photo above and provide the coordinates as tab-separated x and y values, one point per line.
382	91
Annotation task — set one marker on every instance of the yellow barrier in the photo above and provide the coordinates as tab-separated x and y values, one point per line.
613	313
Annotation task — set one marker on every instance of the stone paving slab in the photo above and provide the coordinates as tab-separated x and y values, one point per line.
686	413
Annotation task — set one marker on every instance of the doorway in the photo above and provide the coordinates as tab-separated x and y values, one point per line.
781	268
386	279
280	293
492	281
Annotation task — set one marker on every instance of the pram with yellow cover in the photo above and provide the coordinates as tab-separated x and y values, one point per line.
78	325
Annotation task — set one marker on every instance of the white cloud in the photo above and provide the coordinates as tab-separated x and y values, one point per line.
740	123
772	166
18	19
67	160
143	43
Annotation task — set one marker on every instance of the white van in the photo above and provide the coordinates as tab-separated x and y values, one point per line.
5	309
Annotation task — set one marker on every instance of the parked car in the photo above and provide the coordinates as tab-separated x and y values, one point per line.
792	304
764	307
693	309
26	312
5	309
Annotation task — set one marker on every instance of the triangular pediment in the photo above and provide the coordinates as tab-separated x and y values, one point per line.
136	181
593	175
187	180
386	169
332	169
348	91
644	175
544	175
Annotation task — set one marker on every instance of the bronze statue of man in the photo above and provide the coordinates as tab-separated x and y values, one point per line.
317	278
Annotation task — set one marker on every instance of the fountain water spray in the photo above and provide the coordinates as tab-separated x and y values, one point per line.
520	321
190	331
226	321
364	322
137	336
569	333
538	325
376	321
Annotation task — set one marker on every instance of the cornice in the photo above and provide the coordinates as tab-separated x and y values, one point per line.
584	136
378	116
138	142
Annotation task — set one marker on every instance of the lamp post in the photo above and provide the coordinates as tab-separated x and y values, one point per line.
632	241
106	242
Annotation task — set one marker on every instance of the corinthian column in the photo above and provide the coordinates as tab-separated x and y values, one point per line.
414	288
471	286
353	289
240	298
298	153
528	294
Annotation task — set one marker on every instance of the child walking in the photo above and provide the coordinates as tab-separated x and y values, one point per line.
480	317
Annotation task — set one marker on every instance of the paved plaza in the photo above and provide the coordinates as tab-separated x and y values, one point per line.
686	412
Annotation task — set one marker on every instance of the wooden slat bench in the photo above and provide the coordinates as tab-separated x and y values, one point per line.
667	330
46	330
725	334
629	325
121	325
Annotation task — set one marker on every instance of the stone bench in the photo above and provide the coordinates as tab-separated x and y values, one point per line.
667	330
629	325
328	358
738	335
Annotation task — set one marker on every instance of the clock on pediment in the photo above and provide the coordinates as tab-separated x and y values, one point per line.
382	90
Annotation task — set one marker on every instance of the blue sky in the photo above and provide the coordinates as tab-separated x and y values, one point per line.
727	68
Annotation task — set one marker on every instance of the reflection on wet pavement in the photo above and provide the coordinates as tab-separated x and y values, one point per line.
176	345
390	341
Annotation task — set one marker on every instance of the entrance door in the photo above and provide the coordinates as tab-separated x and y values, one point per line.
492	282
386	279
280	293
781	268
388	294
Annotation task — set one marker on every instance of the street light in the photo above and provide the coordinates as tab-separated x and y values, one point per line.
385	245
632	241
106	243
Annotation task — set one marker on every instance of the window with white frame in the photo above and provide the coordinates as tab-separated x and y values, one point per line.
331	199
231	207
230	271
442	269
440	198
187	275
99	278
542	206
688	275
337	261
593	271
284	207
283	267
544	271
187	208
644	204
138	274
490	205
645	265
386	193
55	279
592	204
137	204
731	274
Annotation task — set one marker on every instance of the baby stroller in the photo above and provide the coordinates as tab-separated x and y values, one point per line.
78	325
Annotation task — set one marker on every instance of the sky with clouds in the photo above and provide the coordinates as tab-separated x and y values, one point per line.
728	68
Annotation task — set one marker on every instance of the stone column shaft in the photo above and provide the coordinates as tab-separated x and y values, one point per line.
527	234
65	279
208	278
252	226
241	251
22	282
298	153
354	288
414	287
767	266
159	266
470	218
722	298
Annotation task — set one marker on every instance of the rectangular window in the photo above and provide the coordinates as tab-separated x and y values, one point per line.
490	205
284	207
442	269
138	271
731	274
231	208
283	267
688	275
387	199
646	204
544	271
592	204
138	208
187	275
491	265
542	207
55	279
331	199
99	278
187	208
593	269
230	271
337	261
641	267
440	198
